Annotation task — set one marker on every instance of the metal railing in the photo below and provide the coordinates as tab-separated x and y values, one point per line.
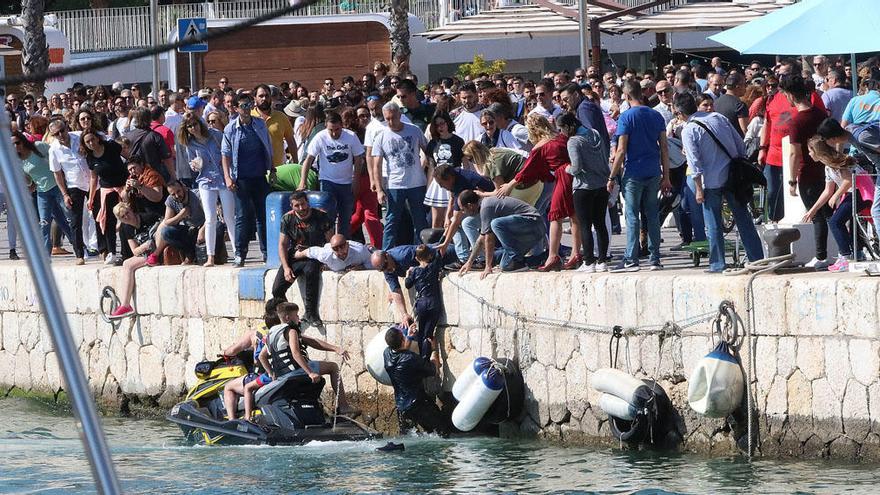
91	30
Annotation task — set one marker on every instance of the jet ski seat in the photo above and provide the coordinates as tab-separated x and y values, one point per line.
290	388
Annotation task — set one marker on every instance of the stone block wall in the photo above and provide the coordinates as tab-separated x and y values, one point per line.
816	343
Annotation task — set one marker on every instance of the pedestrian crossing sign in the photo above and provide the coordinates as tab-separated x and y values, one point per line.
190	27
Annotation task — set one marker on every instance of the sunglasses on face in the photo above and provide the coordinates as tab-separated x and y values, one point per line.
191	126
85	117
212	121
224	82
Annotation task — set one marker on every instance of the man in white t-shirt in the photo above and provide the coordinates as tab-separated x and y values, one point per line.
174	114
546	107
339	255
402	173
467	117
72	176
340	158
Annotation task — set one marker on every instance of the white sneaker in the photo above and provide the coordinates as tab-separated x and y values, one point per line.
585	268
110	259
818	264
601	267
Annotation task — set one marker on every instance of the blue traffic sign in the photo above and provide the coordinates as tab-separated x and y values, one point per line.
190	28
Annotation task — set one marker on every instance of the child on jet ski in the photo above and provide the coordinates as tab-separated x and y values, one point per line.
251	339
286	351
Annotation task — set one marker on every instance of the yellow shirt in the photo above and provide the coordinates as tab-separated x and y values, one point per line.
279	129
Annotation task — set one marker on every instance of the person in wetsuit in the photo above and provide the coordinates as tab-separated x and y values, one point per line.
407	370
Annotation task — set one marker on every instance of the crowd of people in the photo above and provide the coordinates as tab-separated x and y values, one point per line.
456	175
489	170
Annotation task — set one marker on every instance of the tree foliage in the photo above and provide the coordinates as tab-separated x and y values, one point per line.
478	66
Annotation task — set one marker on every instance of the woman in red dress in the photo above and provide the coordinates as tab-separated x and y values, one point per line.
546	163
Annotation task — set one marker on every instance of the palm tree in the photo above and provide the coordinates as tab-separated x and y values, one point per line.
35	53
399	20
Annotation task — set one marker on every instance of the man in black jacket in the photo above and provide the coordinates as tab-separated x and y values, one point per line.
407	370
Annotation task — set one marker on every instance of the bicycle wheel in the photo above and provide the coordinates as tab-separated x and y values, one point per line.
727	221
868	239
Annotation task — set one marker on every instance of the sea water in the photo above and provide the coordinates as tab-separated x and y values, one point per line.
40	452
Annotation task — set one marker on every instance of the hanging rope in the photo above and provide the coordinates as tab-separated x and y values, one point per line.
615	338
767	265
669	328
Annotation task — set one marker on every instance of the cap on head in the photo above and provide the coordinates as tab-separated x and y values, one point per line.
194	102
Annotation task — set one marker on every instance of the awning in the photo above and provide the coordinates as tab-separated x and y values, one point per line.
529	20
533	20
709	16
811	26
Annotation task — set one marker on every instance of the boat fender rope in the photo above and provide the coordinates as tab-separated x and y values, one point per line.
617	333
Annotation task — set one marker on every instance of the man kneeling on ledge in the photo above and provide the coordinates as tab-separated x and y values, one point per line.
407	370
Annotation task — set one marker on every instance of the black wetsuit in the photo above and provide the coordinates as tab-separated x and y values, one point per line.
407	370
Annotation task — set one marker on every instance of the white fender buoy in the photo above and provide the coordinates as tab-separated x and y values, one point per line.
477	399
617	383
617	407
715	387
374	357
468	375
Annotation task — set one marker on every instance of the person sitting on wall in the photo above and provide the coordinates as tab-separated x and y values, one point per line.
301	228
407	370
140	230
338	255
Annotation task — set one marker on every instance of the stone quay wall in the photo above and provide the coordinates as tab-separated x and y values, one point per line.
816	344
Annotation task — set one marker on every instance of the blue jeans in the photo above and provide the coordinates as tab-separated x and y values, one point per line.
50	206
641	194
775	193
744	225
517	235
693	211
466	237
397	201
343	197
837	224
250	213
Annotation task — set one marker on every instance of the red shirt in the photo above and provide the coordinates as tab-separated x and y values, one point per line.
802	127
542	160
166	134
778	120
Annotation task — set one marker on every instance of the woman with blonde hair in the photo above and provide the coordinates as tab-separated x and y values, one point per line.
548	157
501	165
202	145
217	120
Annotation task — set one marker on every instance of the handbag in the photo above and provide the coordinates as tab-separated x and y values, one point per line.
742	174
